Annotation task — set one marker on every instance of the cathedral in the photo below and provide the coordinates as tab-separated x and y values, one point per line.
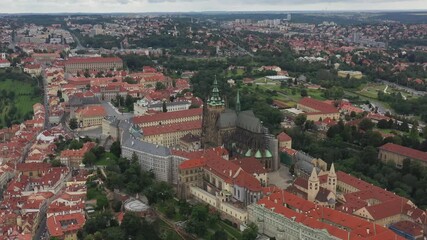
241	132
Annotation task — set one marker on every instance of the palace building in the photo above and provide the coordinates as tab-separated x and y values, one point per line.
74	65
241	132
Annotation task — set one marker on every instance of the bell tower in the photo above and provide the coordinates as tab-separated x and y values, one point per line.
332	180
214	106
313	186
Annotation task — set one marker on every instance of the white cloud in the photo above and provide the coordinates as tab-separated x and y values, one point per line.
47	6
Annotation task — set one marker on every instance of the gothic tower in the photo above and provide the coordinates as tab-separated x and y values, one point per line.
313	186
214	106
332	180
238	106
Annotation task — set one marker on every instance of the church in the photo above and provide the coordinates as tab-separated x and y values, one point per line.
241	132
320	189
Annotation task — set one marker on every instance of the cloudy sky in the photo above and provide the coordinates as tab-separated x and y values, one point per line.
50	6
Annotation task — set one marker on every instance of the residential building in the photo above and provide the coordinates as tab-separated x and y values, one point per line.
141	107
74	65
4	63
90	116
222	184
285	216
73	158
166	118
350	74
170	134
316	110
285	141
398	154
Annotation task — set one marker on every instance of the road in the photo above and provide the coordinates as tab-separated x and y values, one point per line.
403	88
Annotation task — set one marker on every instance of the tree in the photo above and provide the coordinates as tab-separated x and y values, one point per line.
89	158
250	233
73	123
131	224
164	107
382	124
366	124
101	202
300	119
160	86
219	235
116	148
304	93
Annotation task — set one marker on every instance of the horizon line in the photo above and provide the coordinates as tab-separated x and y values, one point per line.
224	11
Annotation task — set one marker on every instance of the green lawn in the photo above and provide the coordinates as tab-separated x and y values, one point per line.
23	100
93	193
106	159
370	90
238	72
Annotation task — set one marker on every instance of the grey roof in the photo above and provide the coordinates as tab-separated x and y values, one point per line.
227	119
131	139
146	147
247	120
78	101
169	104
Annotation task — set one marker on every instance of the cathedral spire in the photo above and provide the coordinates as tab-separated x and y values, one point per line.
238	107
215	99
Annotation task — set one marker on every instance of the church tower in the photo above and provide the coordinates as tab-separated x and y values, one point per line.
313	186
238	106
214	106
332	180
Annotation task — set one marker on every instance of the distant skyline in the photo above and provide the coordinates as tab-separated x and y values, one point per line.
111	6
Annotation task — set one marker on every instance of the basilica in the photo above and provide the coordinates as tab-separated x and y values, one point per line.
241	132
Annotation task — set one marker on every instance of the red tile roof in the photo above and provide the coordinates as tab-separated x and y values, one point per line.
168	115
317	105
93	60
251	165
283	137
404	151
61	224
192	163
172	128
92	111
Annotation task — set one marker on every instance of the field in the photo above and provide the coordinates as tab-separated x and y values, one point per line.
18	94
24	91
288	95
370	90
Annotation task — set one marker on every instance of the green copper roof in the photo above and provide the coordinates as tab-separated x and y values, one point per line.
258	154
238	107
248	153
215	99
268	153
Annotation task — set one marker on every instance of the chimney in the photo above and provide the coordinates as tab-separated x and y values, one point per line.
367	231
231	172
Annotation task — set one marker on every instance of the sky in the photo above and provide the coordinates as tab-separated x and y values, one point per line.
107	6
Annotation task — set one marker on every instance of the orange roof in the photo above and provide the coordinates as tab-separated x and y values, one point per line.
168	115
283	137
61	224
192	163
404	151
171	128
319	106
93	60
92	111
